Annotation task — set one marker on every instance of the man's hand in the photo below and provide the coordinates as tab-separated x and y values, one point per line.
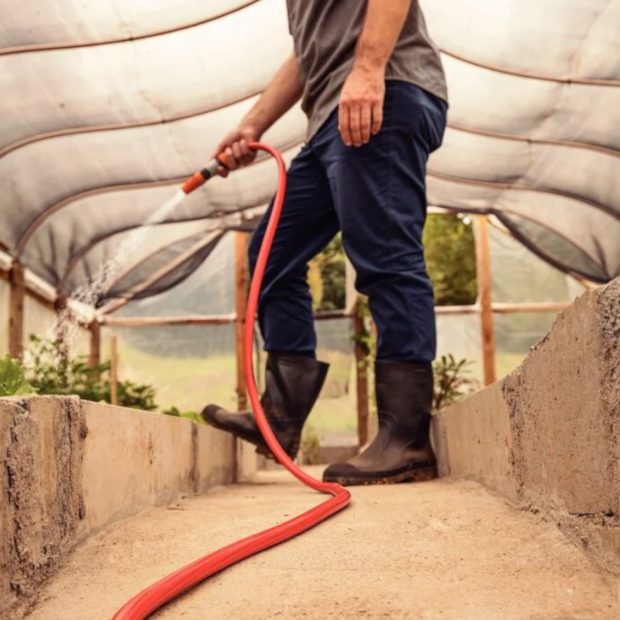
363	94
360	112
281	94
235	145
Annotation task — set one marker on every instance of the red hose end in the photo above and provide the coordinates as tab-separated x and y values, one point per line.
194	182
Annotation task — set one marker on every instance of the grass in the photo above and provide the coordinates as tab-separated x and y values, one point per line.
191	383
186	383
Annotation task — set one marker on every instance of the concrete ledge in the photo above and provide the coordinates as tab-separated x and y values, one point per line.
547	436
73	467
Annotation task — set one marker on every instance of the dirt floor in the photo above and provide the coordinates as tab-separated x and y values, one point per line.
438	550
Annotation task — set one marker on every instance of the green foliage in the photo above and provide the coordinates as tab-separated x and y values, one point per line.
451	259
12	379
136	396
366	339
53	373
452	382
327	277
189	415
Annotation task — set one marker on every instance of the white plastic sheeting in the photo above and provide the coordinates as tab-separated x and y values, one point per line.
107	105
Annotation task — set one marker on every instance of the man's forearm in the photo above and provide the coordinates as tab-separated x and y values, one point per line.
281	94
382	27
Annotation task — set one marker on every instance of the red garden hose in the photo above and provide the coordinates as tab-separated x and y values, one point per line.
168	588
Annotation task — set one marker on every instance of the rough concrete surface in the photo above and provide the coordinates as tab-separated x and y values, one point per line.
72	467
133	463
433	551
547	436
42	503
475	442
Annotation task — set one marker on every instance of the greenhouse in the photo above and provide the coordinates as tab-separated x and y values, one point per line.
108	107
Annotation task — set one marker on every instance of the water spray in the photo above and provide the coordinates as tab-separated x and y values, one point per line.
148	601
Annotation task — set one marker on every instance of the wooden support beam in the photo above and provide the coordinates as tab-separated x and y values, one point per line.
61	328
543	306
483	271
505	308
361	374
17	292
30	289
94	354
113	370
460	310
241	292
223	319
227	319
160	321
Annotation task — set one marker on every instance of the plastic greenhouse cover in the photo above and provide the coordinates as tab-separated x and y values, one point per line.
108	105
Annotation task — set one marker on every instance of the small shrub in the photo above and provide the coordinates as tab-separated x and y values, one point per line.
451	381
12	379
189	415
52	373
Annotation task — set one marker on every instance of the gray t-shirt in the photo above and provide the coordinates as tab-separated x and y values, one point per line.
325	33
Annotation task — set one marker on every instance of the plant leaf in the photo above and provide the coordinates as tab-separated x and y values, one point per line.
12	379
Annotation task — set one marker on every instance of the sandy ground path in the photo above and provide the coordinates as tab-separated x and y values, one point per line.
434	551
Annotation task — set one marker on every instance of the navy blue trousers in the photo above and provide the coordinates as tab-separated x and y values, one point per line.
376	195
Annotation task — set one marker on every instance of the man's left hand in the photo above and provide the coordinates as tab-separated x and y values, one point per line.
360	112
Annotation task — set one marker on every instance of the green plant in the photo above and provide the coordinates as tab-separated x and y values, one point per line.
50	372
452	382
189	415
449	248
12	378
364	337
136	396
326	277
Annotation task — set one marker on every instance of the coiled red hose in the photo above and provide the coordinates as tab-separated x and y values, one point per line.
168	588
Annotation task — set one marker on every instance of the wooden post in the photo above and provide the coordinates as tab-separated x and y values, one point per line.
94	354
241	301
16	310
483	270
361	374
61	330
241	290
113	370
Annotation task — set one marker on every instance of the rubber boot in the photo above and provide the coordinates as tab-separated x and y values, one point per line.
292	386
401	451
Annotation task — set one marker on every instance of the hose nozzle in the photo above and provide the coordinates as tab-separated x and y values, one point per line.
200	178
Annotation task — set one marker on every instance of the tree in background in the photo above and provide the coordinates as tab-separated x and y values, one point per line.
326	276
450	258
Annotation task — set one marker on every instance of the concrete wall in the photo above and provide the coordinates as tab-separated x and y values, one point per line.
72	467
547	436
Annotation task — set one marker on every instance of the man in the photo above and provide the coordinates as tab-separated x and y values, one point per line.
373	88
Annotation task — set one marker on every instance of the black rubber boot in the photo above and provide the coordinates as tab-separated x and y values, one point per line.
401	451
292	385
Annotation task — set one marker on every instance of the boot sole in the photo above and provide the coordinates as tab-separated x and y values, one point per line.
236	433
261	448
425	474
